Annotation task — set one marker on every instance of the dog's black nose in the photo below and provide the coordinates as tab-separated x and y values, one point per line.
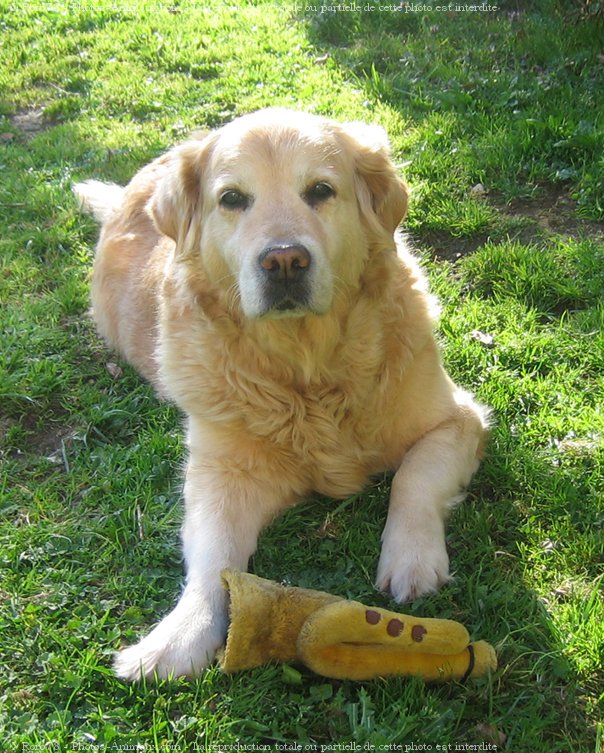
288	263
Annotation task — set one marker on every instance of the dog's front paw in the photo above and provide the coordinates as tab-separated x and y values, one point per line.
409	568
184	643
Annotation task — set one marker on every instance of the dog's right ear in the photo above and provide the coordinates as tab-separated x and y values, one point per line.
177	202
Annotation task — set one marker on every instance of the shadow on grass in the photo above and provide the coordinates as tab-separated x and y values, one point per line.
508	98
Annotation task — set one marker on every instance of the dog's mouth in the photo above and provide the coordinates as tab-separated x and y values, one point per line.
286	307
288	304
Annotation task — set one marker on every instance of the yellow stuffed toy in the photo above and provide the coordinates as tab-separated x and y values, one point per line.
342	639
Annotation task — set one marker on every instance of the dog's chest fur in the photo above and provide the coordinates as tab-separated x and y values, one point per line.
318	392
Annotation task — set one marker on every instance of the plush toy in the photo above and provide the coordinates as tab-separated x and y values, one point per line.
342	639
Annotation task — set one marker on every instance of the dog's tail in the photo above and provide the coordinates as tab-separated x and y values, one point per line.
99	199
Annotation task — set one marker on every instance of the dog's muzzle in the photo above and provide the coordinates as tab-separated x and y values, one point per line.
285	271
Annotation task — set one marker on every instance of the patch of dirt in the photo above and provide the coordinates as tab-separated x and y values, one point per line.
446	247
47	442
553	213
30	122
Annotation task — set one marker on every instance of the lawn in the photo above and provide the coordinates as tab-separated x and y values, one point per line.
497	122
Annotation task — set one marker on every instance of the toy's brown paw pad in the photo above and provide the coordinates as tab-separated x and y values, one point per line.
418	632
395	628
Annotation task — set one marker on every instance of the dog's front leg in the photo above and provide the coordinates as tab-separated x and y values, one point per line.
430	480
225	510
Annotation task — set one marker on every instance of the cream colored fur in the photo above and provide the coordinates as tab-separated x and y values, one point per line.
280	404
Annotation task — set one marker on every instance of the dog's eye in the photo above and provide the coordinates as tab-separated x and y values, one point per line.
233	199
319	193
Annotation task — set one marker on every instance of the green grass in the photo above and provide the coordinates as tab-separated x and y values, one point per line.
91	462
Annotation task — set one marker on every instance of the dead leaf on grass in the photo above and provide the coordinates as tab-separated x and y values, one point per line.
115	370
478	190
492	734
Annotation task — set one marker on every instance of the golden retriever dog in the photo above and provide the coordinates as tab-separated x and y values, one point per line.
253	275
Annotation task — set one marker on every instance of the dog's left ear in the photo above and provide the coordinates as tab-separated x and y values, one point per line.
379	188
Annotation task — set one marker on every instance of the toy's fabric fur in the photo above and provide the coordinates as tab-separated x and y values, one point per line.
309	371
342	639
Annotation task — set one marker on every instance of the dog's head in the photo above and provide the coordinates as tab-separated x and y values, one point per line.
281	208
